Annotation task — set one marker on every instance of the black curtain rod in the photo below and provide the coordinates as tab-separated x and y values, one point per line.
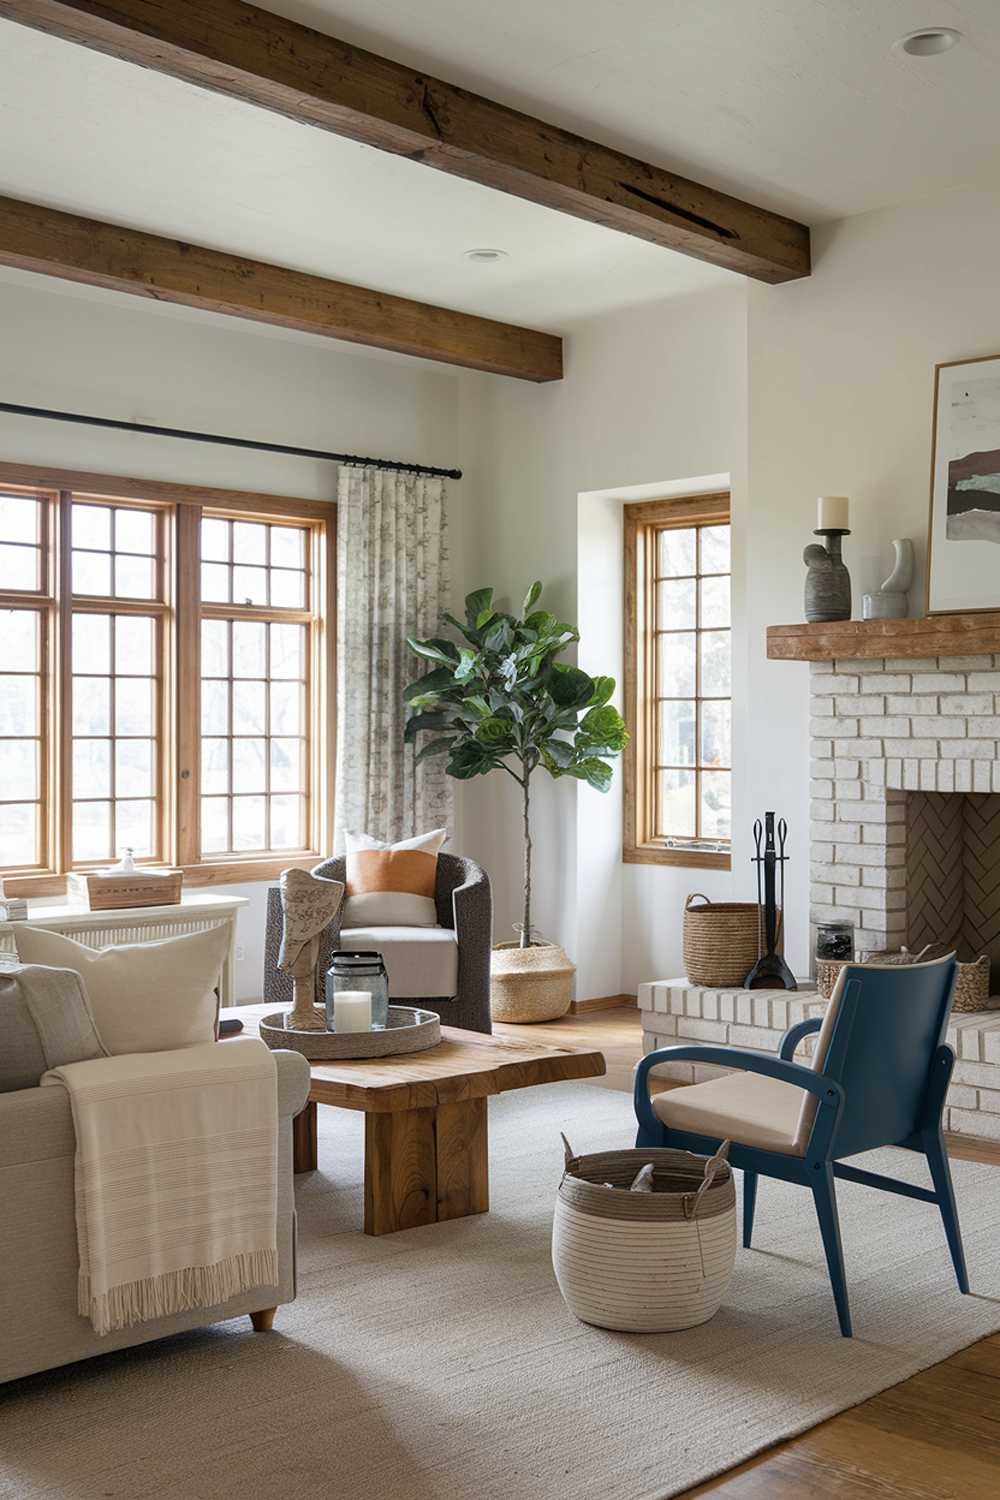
228	442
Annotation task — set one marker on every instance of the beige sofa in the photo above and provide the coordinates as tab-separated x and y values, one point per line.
39	1324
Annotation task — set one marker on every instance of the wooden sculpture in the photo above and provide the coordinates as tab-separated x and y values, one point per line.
308	903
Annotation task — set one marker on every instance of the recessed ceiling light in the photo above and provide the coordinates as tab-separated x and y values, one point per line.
484	255
929	41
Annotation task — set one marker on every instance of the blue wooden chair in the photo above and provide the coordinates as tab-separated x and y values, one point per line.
878	1077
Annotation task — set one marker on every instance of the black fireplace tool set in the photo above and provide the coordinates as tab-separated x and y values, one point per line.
770	971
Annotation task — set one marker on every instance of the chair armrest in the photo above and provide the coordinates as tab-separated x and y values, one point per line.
825	1089
293	1082
472	907
794	1035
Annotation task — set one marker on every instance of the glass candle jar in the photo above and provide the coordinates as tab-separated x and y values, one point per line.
358	970
835	940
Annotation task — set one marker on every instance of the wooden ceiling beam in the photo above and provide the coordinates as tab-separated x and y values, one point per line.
250	54
39	239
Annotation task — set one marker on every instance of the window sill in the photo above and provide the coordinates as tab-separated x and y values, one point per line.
234	872
690	859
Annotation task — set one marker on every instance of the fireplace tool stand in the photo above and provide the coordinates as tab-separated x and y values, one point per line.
770	971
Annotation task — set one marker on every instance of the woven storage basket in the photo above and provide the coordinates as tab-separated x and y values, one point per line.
721	940
530	984
644	1262
972	983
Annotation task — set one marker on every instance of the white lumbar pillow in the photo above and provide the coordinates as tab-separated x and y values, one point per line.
376	871
145	997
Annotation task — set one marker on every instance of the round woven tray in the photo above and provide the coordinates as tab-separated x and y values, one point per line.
407	1030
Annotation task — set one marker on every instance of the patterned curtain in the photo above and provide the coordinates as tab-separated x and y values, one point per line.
392	581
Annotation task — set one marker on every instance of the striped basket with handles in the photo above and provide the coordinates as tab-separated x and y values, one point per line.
645	1262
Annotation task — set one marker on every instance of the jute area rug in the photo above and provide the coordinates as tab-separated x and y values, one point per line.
441	1363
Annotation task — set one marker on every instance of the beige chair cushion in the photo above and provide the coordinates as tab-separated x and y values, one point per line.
422	962
743	1107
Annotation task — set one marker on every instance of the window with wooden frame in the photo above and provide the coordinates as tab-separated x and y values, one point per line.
165	678
678	766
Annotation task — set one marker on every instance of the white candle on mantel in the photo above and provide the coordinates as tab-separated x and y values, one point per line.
352	1010
831	513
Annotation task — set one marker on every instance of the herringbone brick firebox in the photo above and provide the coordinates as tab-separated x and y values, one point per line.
953	874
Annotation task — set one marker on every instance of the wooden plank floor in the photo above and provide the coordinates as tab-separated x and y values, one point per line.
933	1437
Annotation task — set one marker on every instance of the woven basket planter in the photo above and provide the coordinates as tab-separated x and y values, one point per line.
972	982
721	940
530	984
644	1262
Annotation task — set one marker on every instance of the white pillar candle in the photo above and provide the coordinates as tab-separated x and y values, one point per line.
352	1010
831	513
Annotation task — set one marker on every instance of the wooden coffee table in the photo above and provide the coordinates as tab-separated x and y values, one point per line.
426	1144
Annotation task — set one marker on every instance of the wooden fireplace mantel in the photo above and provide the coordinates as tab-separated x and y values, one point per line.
974	634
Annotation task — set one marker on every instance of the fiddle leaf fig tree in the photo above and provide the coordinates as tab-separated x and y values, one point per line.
499	700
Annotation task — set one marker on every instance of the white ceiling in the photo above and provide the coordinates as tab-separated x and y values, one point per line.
799	105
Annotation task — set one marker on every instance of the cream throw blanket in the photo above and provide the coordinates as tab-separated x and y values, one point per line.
176	1178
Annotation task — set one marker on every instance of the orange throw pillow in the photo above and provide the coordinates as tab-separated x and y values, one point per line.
392	885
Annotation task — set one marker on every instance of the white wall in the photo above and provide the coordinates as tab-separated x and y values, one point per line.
840	402
76	349
651	396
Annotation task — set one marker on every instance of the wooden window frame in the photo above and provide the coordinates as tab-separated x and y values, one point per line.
641	521
178	713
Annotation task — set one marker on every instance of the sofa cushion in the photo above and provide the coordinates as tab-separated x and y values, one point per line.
392	885
422	962
44	1022
145	997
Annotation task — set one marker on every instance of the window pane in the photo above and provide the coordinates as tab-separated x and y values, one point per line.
215	765
287	547
91	573
249	708
677	734
134	827
249	765
92	526
134	577
215	540
215	648
91	705
134	645
249	649
215	583
288	590
714	601
676	803
715	733
92	642
18	772
287	822
288	650
286	708
715	671
249	542
134	705
248	823
675	666
286	766
214	824
18	833
675	552
716	812
18	705
134	531
249	585
134	768
715	549
92	768
215	707
19	516
19	567
92	830
675	605
19	633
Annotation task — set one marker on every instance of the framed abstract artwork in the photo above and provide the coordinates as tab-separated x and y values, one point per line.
963	553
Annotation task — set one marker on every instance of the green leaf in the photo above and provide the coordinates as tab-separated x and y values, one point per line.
437	747
604	726
439	719
472	636
492	731
559	752
434	649
475	604
594	772
470	759
603	688
467	665
430	686
531	596
570	687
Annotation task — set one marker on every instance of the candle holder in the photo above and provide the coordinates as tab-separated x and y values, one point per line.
828	583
